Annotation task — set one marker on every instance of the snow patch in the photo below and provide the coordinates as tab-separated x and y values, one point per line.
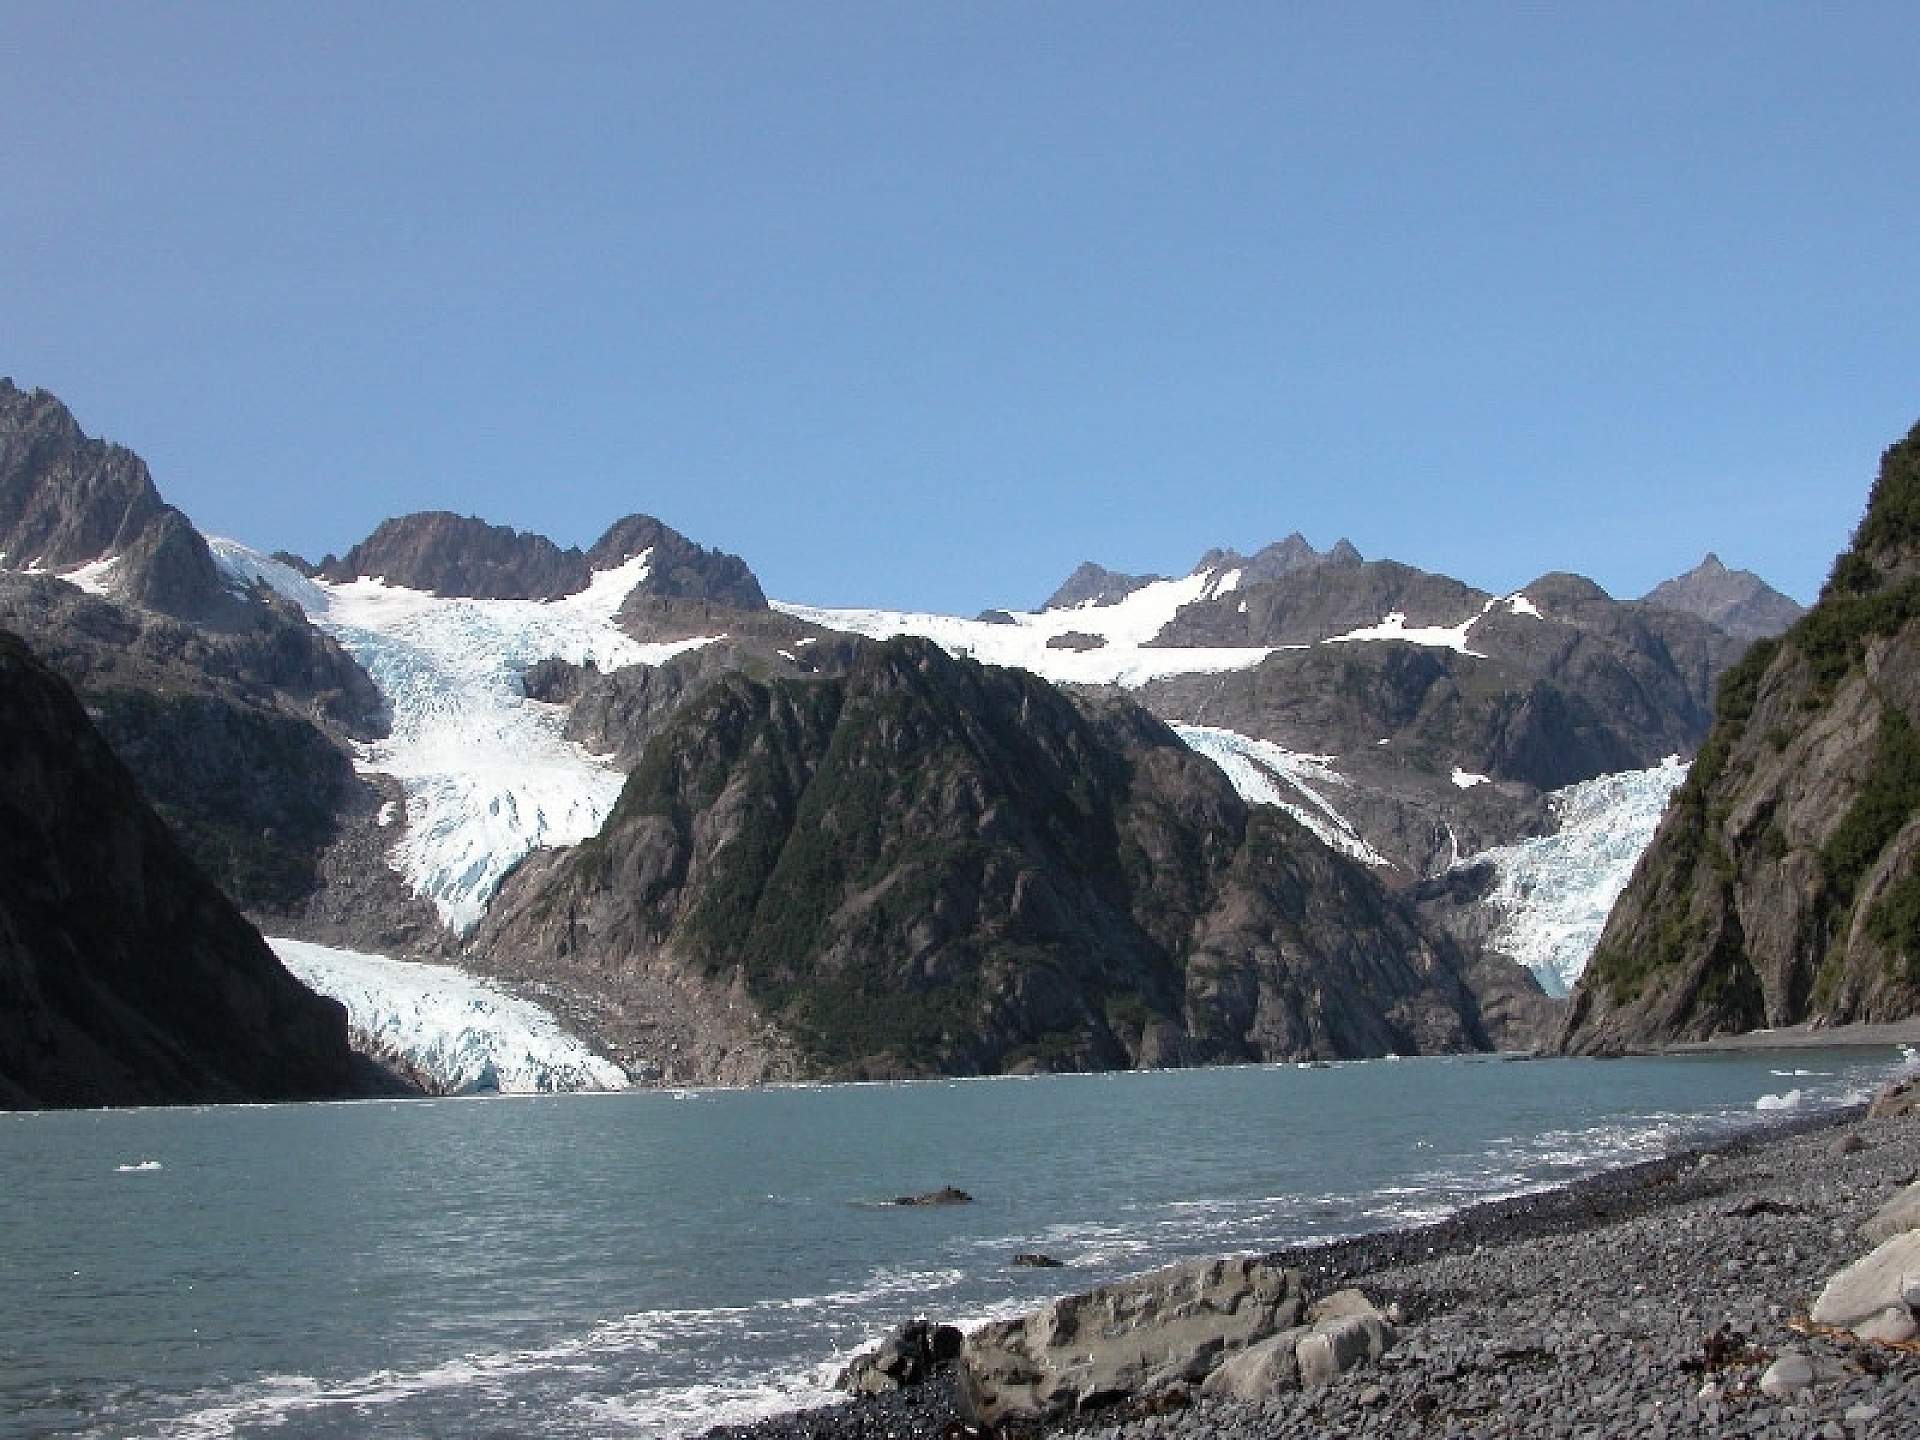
1554	892
1266	774
489	775
464	1032
1440	637
95	577
1466	779
1519	604
1128	625
1789	1101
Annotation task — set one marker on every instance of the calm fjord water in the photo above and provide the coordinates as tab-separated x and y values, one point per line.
651	1263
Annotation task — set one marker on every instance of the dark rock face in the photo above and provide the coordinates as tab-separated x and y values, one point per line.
66	500
1092	584
449	554
1782	885
927	866
126	977
1738	601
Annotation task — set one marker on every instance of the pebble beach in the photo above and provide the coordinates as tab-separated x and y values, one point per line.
1645	1301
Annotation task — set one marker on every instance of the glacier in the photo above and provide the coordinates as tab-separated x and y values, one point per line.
1553	892
1267	774
461	1033
488	774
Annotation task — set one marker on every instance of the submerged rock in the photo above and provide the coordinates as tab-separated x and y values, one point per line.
945	1195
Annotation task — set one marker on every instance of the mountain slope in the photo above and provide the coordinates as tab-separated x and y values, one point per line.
1782	884
1738	601
929	866
126	977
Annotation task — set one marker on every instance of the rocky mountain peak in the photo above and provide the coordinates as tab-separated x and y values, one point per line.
1092	584
448	554
679	568
67	500
1738	601
462	555
1280	559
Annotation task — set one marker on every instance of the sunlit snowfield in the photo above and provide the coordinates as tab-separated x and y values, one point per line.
648	1263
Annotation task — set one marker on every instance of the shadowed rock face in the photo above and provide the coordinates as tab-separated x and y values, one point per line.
929	866
1782	885
1738	601
126	977
449	554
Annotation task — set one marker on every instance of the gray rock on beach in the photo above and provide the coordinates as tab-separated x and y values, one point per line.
1136	1337
1896	1217
1232	1327
1888	1278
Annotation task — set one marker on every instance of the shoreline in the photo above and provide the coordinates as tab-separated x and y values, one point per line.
1798	1037
1573	1311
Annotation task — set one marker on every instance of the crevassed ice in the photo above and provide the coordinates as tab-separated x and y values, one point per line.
1554	892
1266	774
488	774
469	1035
1127	626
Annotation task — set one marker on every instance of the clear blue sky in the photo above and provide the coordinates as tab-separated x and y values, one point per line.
920	304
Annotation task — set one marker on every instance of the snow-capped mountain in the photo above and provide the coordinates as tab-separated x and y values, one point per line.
363	750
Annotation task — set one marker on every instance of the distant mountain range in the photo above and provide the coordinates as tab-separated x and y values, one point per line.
796	841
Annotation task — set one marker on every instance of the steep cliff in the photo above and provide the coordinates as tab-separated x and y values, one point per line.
931	866
126	977
1782	884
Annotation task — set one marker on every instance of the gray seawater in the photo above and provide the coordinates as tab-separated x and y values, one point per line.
652	1263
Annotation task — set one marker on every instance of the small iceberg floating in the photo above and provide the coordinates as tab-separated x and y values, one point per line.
139	1167
1788	1101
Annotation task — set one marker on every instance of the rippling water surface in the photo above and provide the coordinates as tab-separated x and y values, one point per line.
649	1264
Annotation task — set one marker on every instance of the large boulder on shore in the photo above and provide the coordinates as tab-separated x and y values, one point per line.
907	1357
1887	1279
1170	1327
